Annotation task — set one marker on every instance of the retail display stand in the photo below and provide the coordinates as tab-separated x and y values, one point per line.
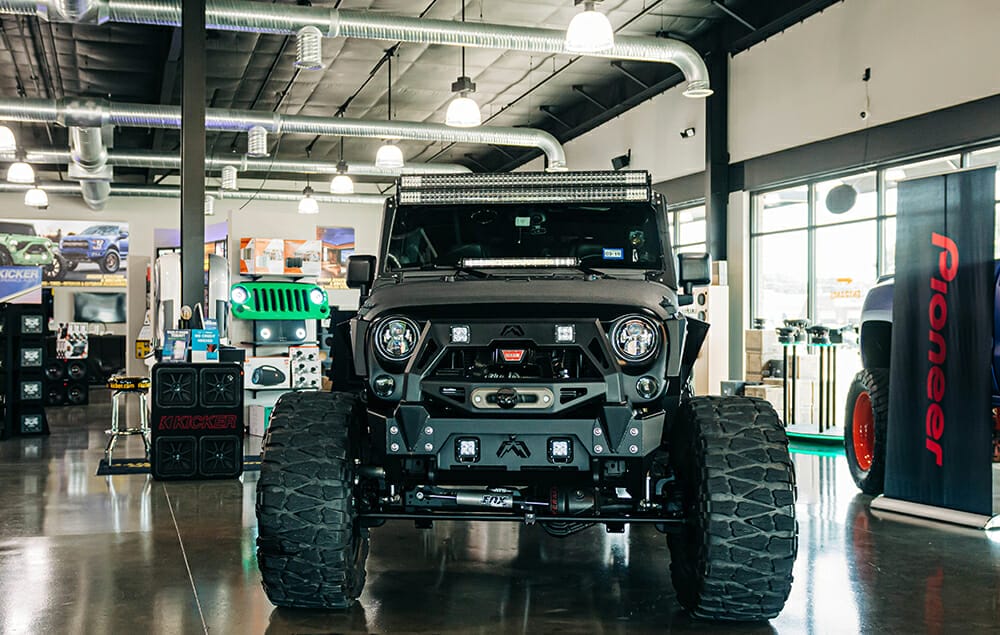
22	369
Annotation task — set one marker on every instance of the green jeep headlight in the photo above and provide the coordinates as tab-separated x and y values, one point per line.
239	295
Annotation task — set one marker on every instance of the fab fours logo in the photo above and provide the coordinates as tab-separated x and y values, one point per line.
937	353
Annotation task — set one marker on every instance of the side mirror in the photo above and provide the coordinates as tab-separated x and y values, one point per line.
693	270
361	273
123	235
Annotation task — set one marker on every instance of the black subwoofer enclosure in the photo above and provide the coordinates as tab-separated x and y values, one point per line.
197	421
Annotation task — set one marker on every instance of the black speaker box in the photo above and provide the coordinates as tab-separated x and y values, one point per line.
197	421
28	420
66	382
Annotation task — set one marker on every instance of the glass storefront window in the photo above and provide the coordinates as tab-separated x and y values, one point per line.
833	197
782	209
781	276
898	173
691	226
846	268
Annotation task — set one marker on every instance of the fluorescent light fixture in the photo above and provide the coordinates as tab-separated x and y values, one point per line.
8	144
20	172
589	32
36	197
463	112
307	204
389	156
473	263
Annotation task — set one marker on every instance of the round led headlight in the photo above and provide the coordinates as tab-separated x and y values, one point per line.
239	295
317	296
396	338
634	338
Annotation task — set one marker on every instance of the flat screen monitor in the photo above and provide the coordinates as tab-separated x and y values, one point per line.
107	308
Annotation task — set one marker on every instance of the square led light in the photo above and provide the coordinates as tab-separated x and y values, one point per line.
460	335
565	334
560	450
467	450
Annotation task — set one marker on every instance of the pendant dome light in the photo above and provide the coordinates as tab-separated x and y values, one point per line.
589	31
307	204
389	156
342	182
463	111
36	197
20	172
8	144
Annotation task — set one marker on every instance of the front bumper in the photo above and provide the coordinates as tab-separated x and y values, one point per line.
80	253
521	443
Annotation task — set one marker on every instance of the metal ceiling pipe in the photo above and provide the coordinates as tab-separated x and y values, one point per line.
155	191
97	113
165	161
286	19
90	165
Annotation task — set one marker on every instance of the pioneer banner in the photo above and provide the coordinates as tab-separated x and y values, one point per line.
939	439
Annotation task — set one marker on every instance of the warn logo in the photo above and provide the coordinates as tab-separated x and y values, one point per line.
512	355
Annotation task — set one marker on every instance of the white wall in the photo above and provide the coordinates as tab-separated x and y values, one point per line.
652	131
804	85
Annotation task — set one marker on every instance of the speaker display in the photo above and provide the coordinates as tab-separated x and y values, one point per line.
66	382
32	324
280	331
32	357
30	390
197	421
32	422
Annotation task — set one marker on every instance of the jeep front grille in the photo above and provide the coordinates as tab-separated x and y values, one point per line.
549	363
280	300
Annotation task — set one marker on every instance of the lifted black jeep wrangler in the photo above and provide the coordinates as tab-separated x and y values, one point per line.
520	356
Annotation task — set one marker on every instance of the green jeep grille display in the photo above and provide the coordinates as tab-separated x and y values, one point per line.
278	301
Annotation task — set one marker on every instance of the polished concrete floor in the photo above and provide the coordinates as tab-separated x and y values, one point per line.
86	554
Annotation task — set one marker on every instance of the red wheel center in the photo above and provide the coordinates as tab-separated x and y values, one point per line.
864	432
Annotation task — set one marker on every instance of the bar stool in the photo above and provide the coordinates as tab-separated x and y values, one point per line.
121	386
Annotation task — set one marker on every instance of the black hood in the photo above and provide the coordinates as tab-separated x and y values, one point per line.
525	298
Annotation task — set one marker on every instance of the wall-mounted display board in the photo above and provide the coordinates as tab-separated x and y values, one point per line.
70	253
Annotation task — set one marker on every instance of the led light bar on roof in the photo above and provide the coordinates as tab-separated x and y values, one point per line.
525	180
474	195
474	263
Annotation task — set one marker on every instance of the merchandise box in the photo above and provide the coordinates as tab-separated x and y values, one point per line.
204	346
279	256
267	373
258	417
306	367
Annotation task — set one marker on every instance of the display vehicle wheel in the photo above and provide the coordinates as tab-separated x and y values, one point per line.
865	426
111	262
732	560
310	548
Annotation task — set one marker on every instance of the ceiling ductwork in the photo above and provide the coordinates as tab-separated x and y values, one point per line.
155	191
286	19
89	164
100	113
166	161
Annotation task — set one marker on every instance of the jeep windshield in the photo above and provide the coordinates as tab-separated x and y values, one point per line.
594	235
22	229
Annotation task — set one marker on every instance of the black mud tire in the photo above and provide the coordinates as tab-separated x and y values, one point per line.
5	258
111	261
310	548
57	270
866	457
733	558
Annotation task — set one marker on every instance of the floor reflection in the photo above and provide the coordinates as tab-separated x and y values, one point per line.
82	553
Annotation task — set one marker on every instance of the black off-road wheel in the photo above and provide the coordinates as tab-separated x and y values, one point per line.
310	548
5	258
71	265
111	262
866	422
57	270
733	558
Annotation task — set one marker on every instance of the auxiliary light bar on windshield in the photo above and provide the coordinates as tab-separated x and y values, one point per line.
475	263
525	187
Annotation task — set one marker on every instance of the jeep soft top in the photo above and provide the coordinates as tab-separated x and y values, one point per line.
519	355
